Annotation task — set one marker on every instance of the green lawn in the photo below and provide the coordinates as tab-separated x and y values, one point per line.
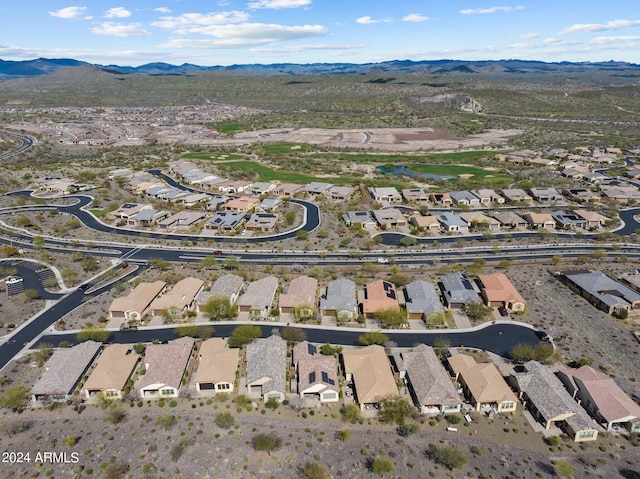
284	148
479	174
228	127
214	156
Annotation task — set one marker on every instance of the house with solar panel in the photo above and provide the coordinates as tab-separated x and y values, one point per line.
457	290
317	377
379	295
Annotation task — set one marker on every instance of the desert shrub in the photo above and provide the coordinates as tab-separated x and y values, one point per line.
266	442
448	456
381	466
224	420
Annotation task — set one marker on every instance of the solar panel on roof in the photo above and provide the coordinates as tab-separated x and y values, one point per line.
311	349
327	379
312	377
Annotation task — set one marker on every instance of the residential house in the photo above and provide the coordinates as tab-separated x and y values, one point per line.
226	286
568	220
549	403
516	195
316	188
488	196
263	222
215	183
389	218
236	187
464	198
540	220
379	295
194	198
453	223
385	194
217	201
440	199
429	223
128	210
268	205
300	298
594	220
602	291
457	290
369	371
287	190
340	300
621	193
225	221
173	194
415	195
147	217
217	365
361	218
428	382
176	302
478	221
63	371
497	291
545	195
135	305
242	204
582	195
482	384
267	368
510	220
111	373
262	188
316	373
258	297
421	299
182	220
165	366
601	397
341	193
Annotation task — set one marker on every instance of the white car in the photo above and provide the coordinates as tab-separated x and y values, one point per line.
383	260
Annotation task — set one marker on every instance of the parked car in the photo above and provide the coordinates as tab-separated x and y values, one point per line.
543	336
128	328
383	260
503	311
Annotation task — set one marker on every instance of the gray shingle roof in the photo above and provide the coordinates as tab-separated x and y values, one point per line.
608	290
341	296
268	358
457	288
422	297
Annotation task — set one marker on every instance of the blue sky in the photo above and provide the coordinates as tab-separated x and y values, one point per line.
226	32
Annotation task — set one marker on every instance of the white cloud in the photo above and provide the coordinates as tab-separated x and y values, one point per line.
529	36
277	4
68	12
416	17
477	11
188	21
117	12
367	20
615	39
598	27
245	34
120	30
164	10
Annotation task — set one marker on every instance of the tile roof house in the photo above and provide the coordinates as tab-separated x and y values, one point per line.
593	219
602	291
443	199
262	188
429	223
583	195
194	198
178	300
362	218
127	210
165	365
236	187
227	286
514	195
510	220
267	368
545	195
183	219
540	220
386	194
601	397
488	196
621	193
217	365
225	221
544	396
316	373
269	204
136	304
379	295
482	384
300	298
113	369
242	204
568	220
317	188
497	290
429	383
64	370
258	297
390	217
478	220
370	372
288	190
414	195
262	222
341	192
452	223
457	290
340	300
147	217
422	299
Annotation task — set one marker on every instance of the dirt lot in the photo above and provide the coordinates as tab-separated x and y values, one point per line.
500	448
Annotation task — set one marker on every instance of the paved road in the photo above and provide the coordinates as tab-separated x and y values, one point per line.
25	144
499	338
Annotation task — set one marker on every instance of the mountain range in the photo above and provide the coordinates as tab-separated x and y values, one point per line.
44	66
